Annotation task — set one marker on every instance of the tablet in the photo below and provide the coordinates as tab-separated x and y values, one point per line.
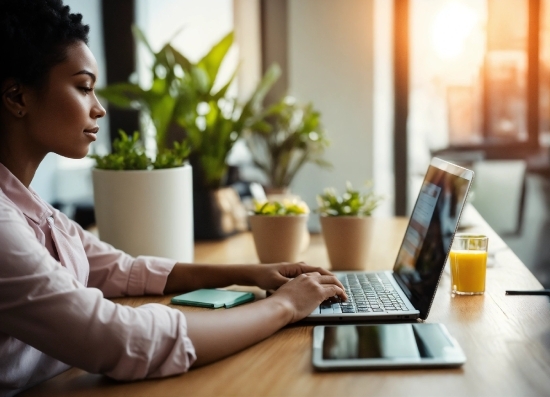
378	346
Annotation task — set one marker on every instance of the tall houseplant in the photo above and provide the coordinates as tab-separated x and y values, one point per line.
144	206
184	101
168	95
284	137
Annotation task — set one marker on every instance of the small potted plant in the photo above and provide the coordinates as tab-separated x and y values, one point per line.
145	206
285	137
279	230
346	225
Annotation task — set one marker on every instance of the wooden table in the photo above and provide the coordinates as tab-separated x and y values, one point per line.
506	340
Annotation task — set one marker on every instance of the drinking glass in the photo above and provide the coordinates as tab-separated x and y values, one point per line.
469	264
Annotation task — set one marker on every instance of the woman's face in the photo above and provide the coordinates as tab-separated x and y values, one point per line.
61	117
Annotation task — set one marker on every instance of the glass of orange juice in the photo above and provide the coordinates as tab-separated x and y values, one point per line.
468	264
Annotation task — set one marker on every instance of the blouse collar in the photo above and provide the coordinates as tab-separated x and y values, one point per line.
26	199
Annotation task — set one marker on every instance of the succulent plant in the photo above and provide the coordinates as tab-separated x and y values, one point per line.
351	203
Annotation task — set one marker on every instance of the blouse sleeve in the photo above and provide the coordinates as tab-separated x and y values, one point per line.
42	305
116	273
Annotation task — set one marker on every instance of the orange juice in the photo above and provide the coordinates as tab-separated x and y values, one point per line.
468	268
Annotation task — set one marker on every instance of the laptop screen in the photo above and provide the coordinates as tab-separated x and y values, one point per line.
430	232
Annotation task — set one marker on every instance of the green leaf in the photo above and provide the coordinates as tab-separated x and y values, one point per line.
124	95
175	157
286	136
181	60
278	208
164	58
255	101
212	61
161	111
129	154
201	82
174	98
222	91
214	170
351	203
139	36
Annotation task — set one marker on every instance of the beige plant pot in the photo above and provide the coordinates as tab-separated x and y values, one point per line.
347	239
146	212
279	238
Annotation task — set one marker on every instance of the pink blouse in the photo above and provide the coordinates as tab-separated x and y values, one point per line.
54	278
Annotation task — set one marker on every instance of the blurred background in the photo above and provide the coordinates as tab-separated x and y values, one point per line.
395	81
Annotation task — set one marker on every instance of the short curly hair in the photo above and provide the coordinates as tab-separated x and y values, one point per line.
34	36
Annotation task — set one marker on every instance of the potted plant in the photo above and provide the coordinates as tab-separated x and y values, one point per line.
346	225
279	230
145	206
184	101
283	138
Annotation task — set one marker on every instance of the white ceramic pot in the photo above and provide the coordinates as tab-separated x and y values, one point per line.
279	238
347	239
146	212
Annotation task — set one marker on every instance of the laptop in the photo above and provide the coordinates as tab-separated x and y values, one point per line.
407	292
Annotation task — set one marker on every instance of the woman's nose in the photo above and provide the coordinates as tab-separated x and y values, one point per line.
98	110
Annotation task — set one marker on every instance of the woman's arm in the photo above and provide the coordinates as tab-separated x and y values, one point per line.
42	305
39	297
220	333
190	277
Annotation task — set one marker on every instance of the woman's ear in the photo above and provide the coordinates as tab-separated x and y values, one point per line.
13	98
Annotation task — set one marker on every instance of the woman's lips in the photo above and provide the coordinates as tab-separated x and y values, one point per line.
92	133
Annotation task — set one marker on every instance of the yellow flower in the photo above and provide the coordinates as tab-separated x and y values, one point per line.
286	207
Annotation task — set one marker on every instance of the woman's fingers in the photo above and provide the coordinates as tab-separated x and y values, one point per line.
292	270
311	274
324	279
308	290
335	291
301	269
305	268
328	283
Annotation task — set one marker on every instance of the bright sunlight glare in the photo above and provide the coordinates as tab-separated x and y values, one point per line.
452	26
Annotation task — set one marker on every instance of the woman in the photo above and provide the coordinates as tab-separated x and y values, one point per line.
54	276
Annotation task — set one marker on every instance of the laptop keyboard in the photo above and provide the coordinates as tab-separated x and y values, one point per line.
367	293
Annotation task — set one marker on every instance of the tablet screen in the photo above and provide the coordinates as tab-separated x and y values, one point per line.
387	341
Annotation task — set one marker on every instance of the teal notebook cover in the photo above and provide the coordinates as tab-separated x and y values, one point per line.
213	298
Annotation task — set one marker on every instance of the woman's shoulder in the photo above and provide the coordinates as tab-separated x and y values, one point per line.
16	234
12	221
8	209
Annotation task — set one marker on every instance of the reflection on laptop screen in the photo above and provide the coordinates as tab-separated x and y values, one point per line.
429	235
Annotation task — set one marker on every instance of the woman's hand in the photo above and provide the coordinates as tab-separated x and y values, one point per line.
305	292
272	276
219	333
301	288
190	277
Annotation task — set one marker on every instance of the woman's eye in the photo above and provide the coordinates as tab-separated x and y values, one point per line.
86	90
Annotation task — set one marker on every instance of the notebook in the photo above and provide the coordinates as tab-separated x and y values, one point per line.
407	292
